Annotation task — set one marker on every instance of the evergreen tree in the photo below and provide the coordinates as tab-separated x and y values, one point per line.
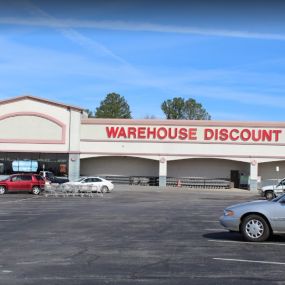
181	109
113	106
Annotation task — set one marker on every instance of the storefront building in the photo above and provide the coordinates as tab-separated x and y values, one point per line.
37	134
40	134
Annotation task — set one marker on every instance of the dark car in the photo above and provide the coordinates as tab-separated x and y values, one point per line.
33	183
49	176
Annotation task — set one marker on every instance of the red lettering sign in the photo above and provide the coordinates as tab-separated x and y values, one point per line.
194	134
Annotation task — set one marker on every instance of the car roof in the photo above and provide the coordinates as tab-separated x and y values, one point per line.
23	174
92	177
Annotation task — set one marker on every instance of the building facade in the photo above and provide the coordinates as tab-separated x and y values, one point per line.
39	134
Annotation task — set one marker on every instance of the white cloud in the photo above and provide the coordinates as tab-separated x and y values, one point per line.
68	31
24	63
137	27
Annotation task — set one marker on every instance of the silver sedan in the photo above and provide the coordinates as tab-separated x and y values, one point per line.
256	220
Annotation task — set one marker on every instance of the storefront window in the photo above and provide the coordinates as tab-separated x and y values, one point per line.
33	162
1	168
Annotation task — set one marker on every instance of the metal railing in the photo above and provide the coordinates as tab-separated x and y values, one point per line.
191	182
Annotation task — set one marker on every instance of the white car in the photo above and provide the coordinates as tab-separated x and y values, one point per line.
272	191
100	184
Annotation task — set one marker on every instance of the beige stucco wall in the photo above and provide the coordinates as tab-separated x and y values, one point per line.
39	127
267	170
94	141
130	166
126	166
208	168
75	125
188	157
27	127
243	153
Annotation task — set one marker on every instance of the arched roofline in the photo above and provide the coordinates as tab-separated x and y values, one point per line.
122	155
60	124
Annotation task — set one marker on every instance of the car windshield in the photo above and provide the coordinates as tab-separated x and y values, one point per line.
278	198
80	179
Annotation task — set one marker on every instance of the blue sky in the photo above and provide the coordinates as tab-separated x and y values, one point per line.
227	55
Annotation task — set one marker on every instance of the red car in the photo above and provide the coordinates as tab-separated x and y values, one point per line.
33	183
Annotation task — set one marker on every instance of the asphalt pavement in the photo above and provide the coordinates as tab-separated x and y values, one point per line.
134	235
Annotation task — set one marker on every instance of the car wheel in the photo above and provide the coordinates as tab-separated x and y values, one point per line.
36	190
104	189
269	195
2	190
255	228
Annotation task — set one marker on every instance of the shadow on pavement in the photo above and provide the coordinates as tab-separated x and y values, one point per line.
230	236
235	236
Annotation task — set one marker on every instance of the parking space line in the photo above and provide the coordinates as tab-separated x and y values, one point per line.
245	242
25	214
250	261
16	201
7	220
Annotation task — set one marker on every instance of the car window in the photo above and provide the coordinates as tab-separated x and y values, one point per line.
26	177
16	178
88	180
96	180
38	177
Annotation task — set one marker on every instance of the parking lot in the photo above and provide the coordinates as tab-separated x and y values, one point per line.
131	236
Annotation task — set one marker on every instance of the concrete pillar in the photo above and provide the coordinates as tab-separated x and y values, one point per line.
162	172
253	175
74	145
73	167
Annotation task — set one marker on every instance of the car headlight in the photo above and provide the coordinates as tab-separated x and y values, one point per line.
229	213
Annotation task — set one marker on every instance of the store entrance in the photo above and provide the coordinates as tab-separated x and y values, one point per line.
235	178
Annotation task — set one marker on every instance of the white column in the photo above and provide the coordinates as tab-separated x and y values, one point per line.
253	175
74	167
74	145
162	172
